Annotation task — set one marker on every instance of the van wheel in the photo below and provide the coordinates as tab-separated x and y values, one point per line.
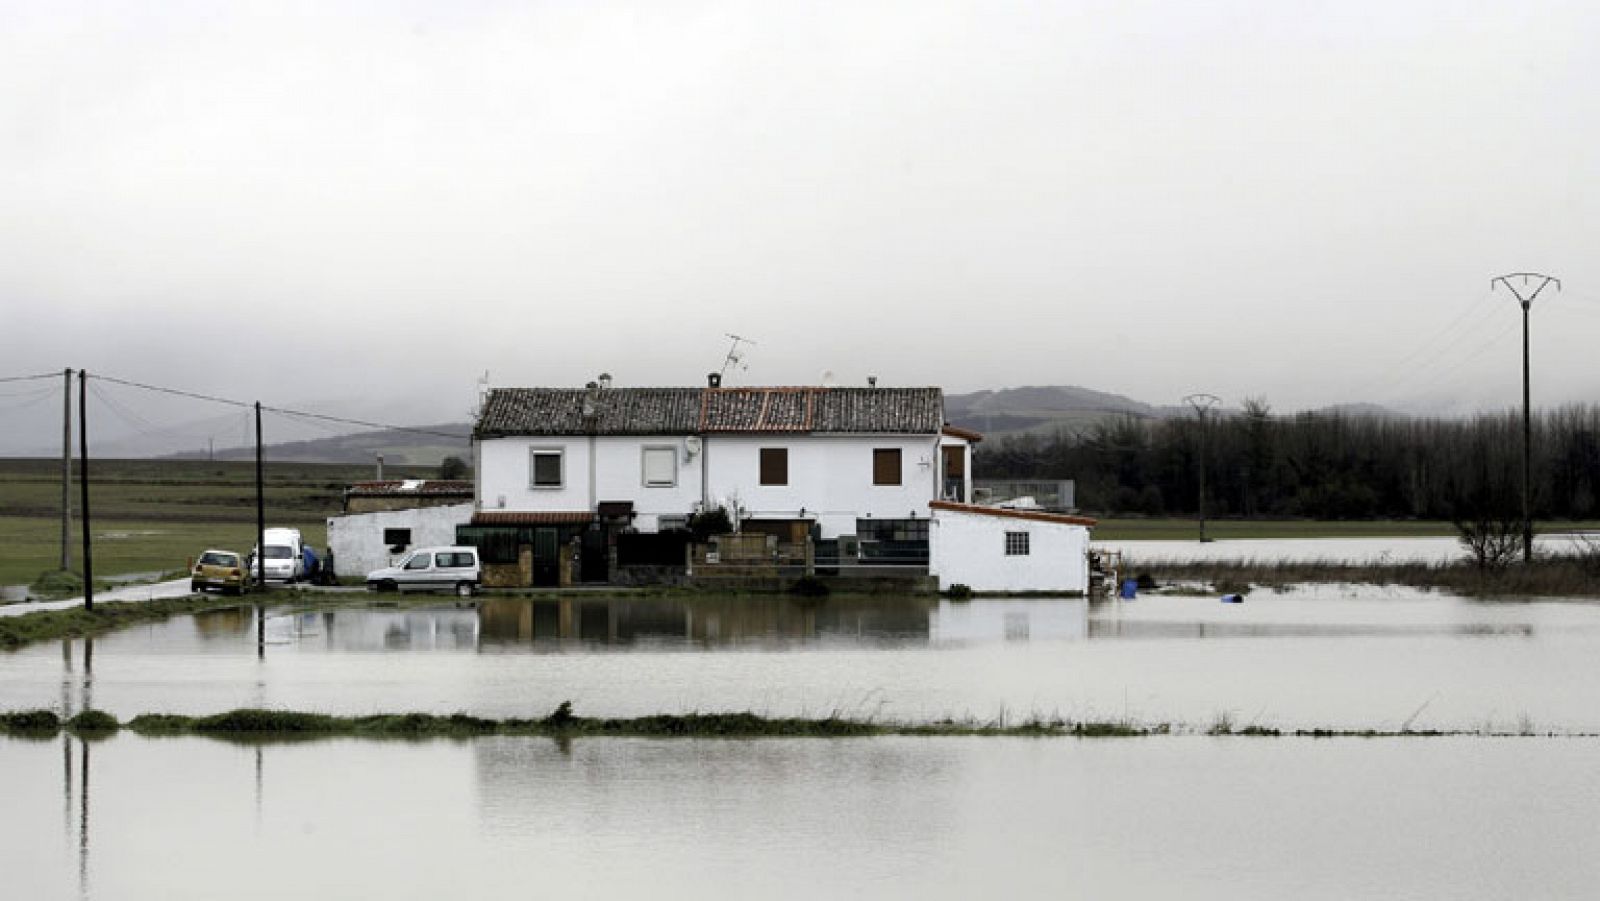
387	585
463	589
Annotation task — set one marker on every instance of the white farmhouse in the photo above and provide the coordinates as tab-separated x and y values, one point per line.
827	456
560	468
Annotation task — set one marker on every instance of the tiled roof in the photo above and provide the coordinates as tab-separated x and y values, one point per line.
411	488
1036	516
688	411
614	411
531	517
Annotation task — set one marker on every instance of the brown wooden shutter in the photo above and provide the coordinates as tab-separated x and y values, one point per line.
774	466
886	466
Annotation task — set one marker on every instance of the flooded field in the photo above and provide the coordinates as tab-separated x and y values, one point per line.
1193	817
1316	657
1353	551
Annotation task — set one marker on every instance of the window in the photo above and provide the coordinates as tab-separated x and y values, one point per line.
892	529
397	538
545	464
660	467
420	561
774	466
886	466
1016	544
460	560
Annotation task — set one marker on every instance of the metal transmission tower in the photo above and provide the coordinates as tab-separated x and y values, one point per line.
1526	301
1203	404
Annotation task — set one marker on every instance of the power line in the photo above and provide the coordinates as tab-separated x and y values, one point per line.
30	378
212	398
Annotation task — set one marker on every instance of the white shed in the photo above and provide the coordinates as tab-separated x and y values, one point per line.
992	549
363	542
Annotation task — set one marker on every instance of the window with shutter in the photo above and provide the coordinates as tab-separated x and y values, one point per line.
886	466
660	467
546	468
774	466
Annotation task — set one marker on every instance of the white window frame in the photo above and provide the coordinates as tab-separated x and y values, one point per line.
533	454
1018	544
644	465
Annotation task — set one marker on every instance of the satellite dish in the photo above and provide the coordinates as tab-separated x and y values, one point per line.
828	379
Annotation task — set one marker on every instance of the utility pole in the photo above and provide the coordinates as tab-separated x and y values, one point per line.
1527	415
66	469
1202	403
261	544
83	487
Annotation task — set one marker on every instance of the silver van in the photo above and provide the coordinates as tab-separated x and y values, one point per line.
430	569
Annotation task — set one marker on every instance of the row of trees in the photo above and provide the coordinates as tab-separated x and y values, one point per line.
1319	465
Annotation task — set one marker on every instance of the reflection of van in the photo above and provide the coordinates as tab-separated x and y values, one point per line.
284	561
430	569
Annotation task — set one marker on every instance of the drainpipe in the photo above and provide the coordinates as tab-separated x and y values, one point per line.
594	504
705	473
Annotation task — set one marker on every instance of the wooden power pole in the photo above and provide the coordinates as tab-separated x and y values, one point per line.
83	486
66	469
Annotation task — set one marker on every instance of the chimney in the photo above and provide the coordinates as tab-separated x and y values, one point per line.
872	381
605	381
380	467
714	379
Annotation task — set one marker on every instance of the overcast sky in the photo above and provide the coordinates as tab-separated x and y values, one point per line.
369	205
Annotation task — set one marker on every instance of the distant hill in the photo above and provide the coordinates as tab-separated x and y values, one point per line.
398	447
1044	409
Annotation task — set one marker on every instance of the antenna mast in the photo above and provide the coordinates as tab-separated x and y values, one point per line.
735	358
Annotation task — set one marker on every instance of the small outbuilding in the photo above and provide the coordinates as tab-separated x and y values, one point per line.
383	520
991	549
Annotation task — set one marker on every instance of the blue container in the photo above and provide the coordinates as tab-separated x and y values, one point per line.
1130	589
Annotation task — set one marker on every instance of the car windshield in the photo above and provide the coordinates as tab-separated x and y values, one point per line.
278	552
214	559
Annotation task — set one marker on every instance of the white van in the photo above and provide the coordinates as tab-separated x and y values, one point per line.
285	562
430	569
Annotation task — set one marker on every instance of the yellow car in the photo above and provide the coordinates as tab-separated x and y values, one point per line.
219	569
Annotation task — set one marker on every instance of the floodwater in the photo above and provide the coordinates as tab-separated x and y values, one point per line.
1337	657
1366	551
1191	817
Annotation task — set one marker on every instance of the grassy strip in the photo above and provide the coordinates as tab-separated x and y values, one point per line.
289	725
1554	576
75	622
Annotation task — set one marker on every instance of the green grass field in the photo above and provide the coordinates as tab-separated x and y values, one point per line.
154	515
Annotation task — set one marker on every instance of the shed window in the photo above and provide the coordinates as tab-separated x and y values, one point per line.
774	466
545	465
886	466
660	467
397	538
1016	544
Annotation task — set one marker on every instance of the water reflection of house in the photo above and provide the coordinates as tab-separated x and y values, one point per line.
709	621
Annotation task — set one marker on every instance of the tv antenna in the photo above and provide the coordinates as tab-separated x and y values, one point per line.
735	357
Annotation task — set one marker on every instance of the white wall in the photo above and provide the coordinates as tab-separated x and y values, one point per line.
505	470
357	538
969	549
830	476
